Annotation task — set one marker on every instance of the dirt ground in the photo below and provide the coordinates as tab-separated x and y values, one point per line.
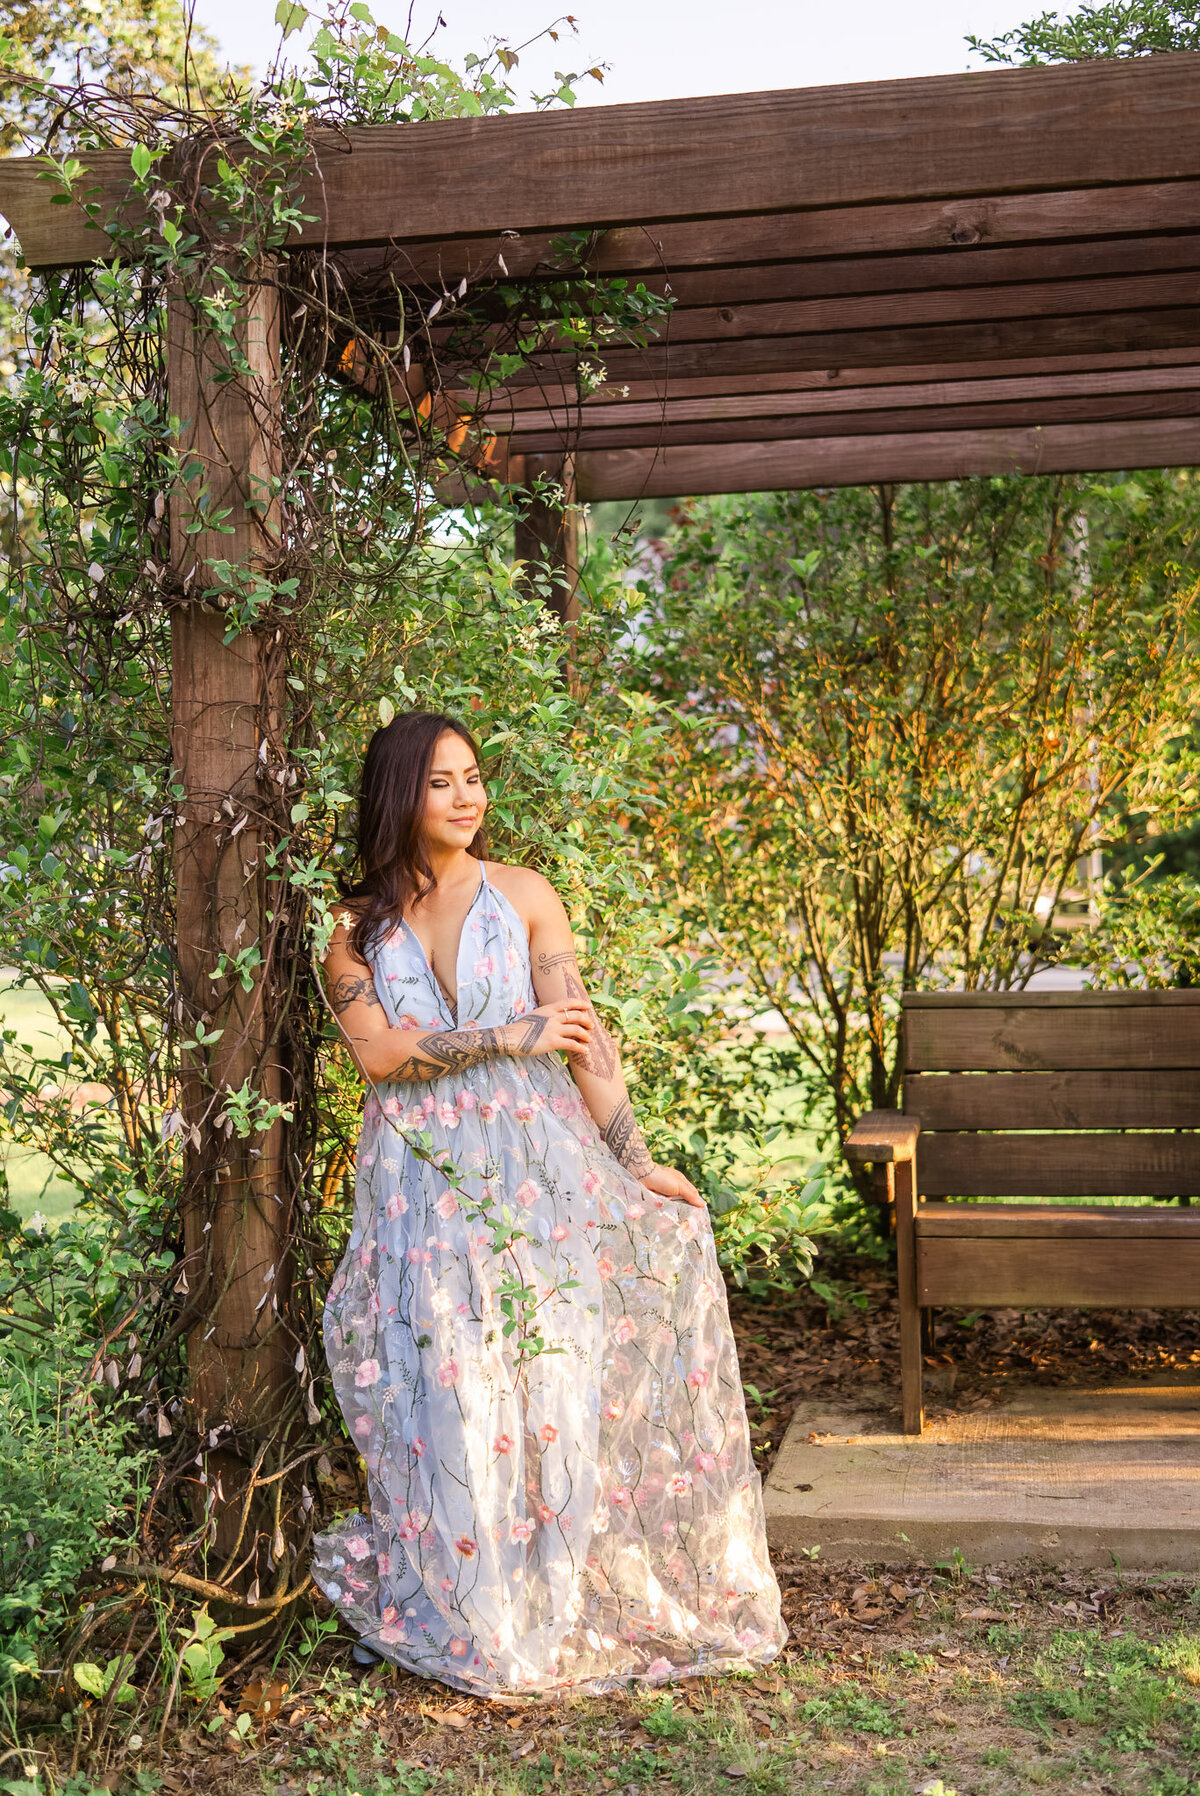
947	1679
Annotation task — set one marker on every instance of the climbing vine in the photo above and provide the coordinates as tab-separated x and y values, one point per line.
367	588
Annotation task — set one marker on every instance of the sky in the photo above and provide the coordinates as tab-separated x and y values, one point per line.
669	49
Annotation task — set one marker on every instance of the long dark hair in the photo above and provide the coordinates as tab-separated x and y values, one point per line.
393	867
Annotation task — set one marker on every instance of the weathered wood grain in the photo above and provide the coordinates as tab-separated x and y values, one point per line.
986	132
1167	1099
1060	1165
1050	1039
596	432
1090	1274
1044	1222
1181	999
853	461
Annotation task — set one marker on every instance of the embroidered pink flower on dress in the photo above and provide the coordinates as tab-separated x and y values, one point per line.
501	1098
698	1378
447	1205
526	1193
604	1266
548	1431
384	1562
559	1232
417	1447
592	1183
625	1330
561	1104
620	1499
409	1530
448	1116
612	1411
659	1668
545	1513
524	1111
368	1374
357	1547
485	967
705	1462
488	1111
466	1546
448	1372
520	1529
362	1426
392	1633
457	1648
503	1443
397	1204
680	1485
634	1212
467	1100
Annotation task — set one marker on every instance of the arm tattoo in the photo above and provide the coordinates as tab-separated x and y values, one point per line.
449	1051
624	1141
546	961
601	1057
527	1031
349	989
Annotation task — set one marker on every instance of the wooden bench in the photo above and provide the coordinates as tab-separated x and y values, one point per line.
1035	1095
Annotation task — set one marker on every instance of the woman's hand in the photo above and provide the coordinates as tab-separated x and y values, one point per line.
562	1028
665	1182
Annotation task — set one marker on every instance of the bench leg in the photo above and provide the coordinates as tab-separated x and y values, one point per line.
911	1396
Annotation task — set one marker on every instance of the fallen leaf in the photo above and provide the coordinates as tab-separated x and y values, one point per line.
259	1698
983	1614
523	1752
456	1718
734	1771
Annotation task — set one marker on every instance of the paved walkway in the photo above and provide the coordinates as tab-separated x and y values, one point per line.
1067	1476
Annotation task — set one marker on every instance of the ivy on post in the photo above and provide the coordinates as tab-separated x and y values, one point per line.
228	707
547	531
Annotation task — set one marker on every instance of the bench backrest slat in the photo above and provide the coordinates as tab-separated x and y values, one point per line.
985	1072
1014	1039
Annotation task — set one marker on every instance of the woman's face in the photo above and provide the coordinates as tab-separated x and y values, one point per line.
455	799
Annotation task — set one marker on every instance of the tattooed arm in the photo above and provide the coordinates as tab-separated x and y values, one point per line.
596	1068
383	1053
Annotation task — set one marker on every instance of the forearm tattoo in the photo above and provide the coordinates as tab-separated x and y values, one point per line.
449	1051
600	1056
624	1141
350	988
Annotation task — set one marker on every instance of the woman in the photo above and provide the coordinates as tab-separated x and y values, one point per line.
528	1334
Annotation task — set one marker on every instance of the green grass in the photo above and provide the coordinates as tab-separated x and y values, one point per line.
34	1184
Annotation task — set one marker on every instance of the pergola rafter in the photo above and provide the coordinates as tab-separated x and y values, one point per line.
964	274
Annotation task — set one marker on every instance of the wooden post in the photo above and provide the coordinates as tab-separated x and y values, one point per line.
550	535
902	1178
227	722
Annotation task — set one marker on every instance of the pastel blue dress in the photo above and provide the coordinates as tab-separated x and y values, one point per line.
561	1498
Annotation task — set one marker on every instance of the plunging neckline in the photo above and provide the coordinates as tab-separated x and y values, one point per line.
444	999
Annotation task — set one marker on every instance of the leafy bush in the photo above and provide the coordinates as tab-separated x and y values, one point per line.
67	1471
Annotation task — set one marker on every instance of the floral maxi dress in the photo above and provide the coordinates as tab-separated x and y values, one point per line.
586	1516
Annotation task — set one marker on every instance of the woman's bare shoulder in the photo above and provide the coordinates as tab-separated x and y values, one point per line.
530	893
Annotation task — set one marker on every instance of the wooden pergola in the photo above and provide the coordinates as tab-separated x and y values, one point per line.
981	273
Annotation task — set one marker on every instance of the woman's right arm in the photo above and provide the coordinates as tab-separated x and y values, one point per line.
384	1054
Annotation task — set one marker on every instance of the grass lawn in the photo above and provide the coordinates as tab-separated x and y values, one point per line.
935	1680
33	1182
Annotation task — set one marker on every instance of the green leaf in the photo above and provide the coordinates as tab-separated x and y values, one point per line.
290	16
387	711
141	160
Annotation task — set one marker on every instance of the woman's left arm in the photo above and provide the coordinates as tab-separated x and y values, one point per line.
597	1068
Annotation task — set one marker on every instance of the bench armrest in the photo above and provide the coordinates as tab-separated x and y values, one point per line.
883	1135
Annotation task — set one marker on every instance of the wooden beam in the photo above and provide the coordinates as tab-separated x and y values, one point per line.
856	461
729	384
1073	215
1030	410
985	339
227	714
807	402
991	131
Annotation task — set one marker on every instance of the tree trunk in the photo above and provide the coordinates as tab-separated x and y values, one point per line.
228	751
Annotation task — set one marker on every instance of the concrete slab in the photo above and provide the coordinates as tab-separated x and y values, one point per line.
1061	1475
